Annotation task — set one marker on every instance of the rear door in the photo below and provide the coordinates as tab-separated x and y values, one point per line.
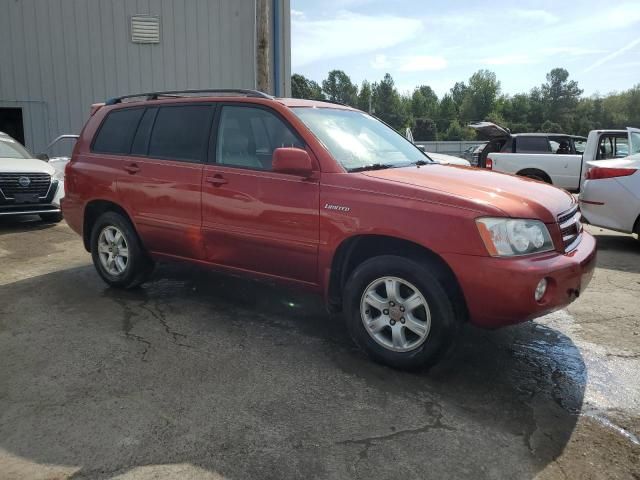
162	183
254	219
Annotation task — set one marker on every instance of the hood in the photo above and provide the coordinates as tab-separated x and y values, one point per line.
448	159
25	165
490	131
516	197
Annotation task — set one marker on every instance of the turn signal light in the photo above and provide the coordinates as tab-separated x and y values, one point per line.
597	173
489	163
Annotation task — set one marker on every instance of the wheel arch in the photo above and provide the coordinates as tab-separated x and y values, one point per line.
92	212
526	172
356	249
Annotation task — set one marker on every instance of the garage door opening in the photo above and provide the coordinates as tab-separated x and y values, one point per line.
11	123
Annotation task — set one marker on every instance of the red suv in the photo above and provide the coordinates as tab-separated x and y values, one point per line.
324	197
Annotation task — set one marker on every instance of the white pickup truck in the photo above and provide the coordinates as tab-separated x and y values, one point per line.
553	158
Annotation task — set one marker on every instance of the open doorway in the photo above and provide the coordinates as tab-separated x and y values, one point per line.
11	123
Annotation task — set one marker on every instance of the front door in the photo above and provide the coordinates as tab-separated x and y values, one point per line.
162	183
254	219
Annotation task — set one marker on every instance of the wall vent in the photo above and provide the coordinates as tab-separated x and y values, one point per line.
145	29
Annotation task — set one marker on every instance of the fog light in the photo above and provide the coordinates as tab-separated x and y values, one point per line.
541	289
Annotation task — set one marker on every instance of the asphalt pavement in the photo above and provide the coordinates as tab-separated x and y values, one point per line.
200	375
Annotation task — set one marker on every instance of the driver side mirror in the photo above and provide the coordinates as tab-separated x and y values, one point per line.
293	161
43	156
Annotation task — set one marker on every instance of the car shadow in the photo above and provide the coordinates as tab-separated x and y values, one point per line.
252	381
618	252
22	223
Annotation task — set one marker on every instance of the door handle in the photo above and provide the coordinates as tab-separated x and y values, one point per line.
132	168
216	180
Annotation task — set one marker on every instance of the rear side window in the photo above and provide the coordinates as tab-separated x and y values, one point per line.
117	131
180	133
507	147
141	140
532	145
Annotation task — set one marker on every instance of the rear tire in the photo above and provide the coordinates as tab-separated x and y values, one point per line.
51	217
117	252
414	322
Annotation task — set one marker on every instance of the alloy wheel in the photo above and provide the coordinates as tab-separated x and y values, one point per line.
395	314
113	250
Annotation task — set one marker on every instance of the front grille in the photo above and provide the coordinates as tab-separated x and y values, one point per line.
15	183
570	228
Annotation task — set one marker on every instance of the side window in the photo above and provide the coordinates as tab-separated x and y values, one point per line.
612	146
508	146
579	145
560	145
247	137
117	130
532	145
141	140
180	133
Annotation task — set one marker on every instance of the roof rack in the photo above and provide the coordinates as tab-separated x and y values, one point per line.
183	93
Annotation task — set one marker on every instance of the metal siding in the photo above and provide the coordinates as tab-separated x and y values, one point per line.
60	56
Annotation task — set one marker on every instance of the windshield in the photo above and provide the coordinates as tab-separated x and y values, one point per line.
635	142
10	148
359	141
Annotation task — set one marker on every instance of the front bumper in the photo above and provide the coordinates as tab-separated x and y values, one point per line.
500	291
49	204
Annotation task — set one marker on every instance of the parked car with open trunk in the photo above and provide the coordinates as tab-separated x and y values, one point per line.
326	198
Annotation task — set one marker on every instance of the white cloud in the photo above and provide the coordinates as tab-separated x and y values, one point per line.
540	16
573	51
348	34
297	15
613	55
422	63
380	62
515	59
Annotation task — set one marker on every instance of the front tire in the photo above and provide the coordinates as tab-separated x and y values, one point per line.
117	253
398	312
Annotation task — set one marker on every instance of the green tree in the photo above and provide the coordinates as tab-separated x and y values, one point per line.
560	96
339	88
480	96
387	103
446	113
550	127
364	96
536	108
454	131
424	102
458	92
302	87
425	130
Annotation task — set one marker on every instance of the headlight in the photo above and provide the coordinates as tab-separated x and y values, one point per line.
505	237
59	175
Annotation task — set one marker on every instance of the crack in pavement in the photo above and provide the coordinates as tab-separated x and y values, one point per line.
624	355
160	317
127	324
369	442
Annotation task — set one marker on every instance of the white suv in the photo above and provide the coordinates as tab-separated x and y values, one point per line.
28	185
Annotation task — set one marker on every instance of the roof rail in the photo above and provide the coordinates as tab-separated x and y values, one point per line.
181	93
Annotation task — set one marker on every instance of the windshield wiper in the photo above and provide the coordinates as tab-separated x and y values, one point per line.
373	166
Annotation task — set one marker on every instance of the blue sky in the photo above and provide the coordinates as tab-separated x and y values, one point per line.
439	42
